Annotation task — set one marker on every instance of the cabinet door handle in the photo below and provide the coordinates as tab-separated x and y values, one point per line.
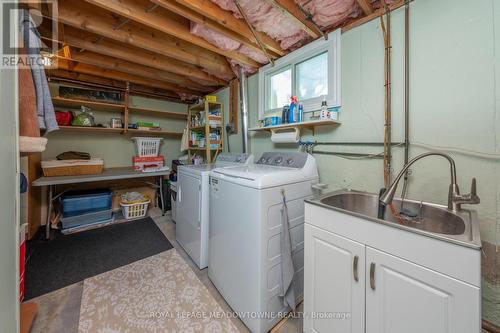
355	268
372	275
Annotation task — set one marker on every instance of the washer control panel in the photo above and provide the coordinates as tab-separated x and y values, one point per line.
233	158
290	160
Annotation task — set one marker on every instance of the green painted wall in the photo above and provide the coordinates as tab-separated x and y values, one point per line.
117	150
235	141
9	203
455	102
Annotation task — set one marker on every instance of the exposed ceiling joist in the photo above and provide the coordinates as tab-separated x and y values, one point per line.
227	19
290	9
85	40
153	19
196	17
91	19
377	13
365	6
69	65
98	60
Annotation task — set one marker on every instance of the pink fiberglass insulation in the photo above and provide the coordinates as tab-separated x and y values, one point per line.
264	17
213	37
328	13
226	43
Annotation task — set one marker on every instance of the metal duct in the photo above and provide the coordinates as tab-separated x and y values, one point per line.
244	108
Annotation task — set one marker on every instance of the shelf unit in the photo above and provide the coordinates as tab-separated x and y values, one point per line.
122	107
306	124
206	129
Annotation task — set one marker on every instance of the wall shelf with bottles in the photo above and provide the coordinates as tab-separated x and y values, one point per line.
305	124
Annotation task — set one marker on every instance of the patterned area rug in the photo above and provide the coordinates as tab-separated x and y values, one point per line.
157	294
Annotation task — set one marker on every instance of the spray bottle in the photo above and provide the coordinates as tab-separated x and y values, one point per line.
293	110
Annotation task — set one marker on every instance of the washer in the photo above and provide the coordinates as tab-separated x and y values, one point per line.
245	233
192	205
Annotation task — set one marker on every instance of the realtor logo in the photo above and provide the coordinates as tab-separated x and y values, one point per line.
29	33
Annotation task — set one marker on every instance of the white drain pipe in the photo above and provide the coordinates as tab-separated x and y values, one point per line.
244	108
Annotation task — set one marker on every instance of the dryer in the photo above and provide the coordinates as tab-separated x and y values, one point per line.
246	231
192	204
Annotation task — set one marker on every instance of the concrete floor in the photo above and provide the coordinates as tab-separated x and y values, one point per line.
59	310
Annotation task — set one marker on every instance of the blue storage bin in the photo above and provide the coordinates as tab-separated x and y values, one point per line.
82	202
86	219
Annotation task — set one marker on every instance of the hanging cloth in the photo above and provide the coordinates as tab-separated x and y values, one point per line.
287	269
32	44
185	139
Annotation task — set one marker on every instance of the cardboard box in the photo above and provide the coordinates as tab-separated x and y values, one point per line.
142	163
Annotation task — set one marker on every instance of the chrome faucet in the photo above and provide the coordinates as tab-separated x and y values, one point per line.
455	199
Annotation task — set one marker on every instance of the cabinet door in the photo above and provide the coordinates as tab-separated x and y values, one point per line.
334	286
405	297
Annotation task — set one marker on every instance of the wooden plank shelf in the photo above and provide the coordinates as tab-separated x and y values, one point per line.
94	105
158	113
90	129
120	131
154	133
307	124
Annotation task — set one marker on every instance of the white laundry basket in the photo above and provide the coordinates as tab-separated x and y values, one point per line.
147	147
135	210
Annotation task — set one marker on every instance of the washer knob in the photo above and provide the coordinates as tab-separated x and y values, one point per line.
290	161
278	160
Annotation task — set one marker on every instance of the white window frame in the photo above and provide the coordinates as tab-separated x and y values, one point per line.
333	98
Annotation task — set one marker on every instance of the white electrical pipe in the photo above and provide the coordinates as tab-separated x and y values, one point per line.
244	108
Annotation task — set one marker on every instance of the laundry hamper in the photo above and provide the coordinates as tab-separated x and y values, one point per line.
147	147
133	210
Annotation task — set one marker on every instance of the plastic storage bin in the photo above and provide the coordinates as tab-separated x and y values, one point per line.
84	219
135	210
82	202
147	147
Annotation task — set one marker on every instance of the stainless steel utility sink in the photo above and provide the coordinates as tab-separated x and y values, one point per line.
425	218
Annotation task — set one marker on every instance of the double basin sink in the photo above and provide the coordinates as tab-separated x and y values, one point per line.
460	227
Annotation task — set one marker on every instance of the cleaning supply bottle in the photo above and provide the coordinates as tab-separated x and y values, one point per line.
292	111
284	114
324	114
300	114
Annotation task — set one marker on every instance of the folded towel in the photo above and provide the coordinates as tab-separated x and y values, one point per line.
28	144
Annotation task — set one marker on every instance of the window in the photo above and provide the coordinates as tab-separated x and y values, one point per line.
280	89
309	73
312	77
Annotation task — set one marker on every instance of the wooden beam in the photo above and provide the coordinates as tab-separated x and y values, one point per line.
66	64
376	14
154	19
84	40
290	9
95	59
92	19
196	17
96	82
365	6
228	20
